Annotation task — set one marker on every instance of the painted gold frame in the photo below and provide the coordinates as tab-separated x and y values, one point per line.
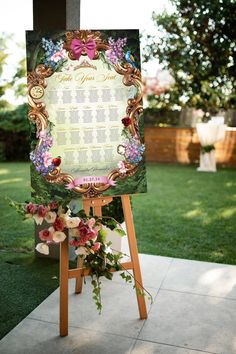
38	113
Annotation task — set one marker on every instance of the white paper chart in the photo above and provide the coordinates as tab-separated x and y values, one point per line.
86	102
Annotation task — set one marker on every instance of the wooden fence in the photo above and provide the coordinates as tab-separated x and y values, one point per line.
181	145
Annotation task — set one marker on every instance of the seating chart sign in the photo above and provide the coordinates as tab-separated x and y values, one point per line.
85	97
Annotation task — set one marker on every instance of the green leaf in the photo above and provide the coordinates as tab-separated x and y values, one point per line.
102	235
120	231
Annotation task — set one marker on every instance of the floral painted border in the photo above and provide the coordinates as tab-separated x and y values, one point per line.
114	54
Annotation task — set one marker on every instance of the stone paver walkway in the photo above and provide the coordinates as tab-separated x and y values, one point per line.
193	312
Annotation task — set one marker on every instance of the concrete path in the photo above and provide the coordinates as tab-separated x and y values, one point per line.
194	311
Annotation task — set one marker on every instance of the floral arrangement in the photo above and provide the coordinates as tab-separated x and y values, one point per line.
87	234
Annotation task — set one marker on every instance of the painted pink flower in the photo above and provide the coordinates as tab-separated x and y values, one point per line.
59	224
42	134
45	235
42	211
56	57
47	158
31	208
122	167
96	246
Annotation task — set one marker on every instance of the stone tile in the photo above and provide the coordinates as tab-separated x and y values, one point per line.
153	269
142	347
192	321
119	314
37	337
201	278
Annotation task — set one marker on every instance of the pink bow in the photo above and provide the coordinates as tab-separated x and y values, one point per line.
78	47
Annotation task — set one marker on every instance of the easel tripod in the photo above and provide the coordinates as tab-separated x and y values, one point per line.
79	272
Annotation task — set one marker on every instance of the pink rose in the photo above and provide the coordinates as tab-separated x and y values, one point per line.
45	235
96	246
47	158
92	235
84	234
42	211
84	230
81	223
74	243
31	208
53	205
91	222
59	224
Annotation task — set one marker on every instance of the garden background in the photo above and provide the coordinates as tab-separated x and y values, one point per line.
185	214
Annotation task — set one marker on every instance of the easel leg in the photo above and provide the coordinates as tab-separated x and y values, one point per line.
64	267
134	254
79	280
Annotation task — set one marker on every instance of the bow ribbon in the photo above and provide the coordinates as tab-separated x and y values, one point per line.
78	47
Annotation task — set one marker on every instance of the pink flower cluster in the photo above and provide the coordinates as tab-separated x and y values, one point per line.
84	232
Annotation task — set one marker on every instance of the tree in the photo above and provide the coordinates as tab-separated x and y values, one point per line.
17	81
3	59
14	126
197	44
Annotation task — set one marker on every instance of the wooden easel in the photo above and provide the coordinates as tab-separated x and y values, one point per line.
80	272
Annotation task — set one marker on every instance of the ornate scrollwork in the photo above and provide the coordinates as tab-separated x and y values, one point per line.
39	115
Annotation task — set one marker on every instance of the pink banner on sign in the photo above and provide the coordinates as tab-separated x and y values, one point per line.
90	179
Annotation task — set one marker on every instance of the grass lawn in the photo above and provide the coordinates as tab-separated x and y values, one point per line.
25	280
188	214
185	214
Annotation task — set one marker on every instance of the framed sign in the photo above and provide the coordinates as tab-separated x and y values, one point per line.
85	98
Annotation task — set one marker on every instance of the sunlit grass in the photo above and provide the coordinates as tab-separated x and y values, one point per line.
14	184
187	214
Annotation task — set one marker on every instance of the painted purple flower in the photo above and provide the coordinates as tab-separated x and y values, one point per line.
40	157
115	53
134	151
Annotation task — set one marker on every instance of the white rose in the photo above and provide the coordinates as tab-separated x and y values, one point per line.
74	232
58	236
72	222
81	251
38	219
50	217
42	248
